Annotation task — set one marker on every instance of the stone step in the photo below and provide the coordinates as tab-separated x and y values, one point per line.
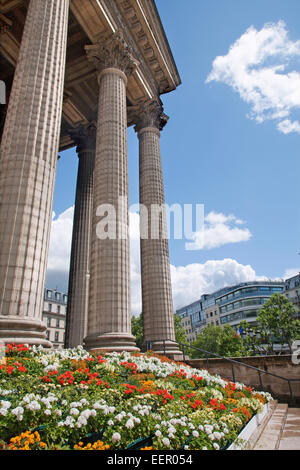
290	438
271	435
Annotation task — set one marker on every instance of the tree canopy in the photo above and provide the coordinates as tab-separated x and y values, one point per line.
219	340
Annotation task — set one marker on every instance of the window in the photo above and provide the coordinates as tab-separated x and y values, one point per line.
57	323
49	307
48	321
277	289
58	308
56	336
49	294
47	334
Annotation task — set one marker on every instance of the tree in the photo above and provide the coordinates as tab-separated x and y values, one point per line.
137	330
277	323
222	341
180	334
251	339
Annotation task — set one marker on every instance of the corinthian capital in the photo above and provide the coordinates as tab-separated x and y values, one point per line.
84	136
150	114
113	52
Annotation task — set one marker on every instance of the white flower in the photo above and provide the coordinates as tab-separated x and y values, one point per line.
116	437
18	412
110	422
195	434
47	412
211	437
172	430
158	433
166	442
5	404
74	412
129	424
216	446
33	406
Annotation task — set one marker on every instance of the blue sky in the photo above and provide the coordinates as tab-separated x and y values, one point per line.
231	144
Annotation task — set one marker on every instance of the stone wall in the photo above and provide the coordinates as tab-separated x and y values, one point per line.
278	365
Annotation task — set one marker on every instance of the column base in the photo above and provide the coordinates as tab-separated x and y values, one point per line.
22	330
110	342
167	348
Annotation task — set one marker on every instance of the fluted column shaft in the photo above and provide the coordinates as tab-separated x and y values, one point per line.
28	159
79	278
109	324
157	304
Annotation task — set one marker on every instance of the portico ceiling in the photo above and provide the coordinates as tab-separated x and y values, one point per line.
90	20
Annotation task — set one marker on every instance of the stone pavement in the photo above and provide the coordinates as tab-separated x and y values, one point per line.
282	432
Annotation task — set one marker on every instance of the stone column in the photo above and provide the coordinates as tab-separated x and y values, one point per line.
28	158
157	304
79	278
109	324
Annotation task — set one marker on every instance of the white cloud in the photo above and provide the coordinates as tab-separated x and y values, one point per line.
219	229
191	281
256	67
60	241
188	282
291	272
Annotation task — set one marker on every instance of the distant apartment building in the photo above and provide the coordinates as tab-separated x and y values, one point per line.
54	315
244	301
191	319
229	305
292	291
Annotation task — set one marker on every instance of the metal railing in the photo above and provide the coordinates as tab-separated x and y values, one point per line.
233	362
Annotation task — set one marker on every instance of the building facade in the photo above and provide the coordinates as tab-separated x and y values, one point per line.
244	301
54	316
292	292
91	69
230	305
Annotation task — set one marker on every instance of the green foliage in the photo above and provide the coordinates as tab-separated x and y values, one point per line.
180	334
219	340
137	329
276	322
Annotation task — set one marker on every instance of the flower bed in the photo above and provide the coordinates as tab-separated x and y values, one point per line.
72	399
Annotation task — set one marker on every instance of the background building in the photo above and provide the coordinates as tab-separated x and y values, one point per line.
292	291
231	305
54	316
